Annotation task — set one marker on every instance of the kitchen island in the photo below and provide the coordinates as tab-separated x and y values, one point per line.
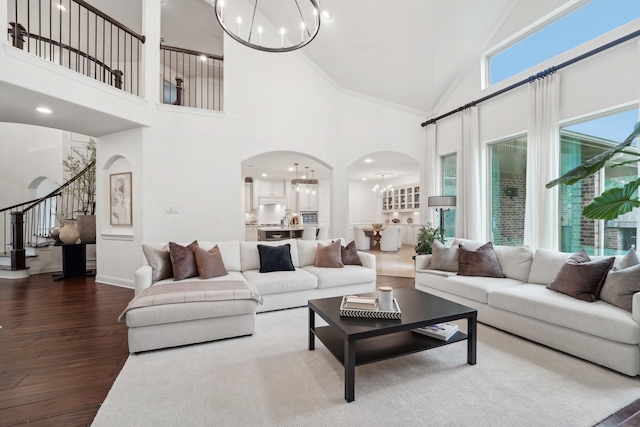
279	233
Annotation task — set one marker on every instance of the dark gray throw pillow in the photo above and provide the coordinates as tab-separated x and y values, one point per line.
481	262
275	258
349	254
183	260
581	278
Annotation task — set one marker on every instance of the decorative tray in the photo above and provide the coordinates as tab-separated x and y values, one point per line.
368	313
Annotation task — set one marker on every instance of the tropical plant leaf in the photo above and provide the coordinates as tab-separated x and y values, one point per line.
594	164
614	202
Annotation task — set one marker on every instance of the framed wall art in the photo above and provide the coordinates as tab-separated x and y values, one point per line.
120	205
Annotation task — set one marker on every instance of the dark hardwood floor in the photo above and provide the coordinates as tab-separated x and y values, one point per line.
61	348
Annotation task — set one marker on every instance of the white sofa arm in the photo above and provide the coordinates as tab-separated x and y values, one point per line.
143	278
367	260
423	262
635	307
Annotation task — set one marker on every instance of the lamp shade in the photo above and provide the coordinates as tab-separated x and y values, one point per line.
441	202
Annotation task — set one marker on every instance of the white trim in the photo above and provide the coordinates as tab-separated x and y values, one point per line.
114	281
620	108
190	110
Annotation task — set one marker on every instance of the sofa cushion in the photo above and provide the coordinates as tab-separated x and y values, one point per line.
250	257
329	256
233	275
230	252
210	263
476	288
348	275
580	277
280	281
160	261
349	254
598	318
444	258
275	258
183	260
622	281
515	261
545	265
481	262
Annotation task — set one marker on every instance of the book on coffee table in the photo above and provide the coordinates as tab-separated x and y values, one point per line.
441	331
360	303
368	310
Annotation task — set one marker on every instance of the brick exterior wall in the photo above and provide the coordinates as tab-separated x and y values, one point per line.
508	212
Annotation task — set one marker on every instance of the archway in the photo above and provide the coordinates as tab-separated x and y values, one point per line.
279	185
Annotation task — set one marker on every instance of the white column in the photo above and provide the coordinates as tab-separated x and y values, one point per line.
151	18
4	21
339	203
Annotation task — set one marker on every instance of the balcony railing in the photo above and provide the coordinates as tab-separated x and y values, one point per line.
76	35
191	79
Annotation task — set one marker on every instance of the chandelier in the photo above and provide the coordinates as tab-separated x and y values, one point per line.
256	27
382	190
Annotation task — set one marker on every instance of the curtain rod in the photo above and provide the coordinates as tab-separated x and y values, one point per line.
540	75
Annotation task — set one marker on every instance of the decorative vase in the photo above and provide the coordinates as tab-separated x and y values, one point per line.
69	233
87	228
55	233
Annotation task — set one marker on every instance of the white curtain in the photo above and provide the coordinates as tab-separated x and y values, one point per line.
470	202
430	185
541	222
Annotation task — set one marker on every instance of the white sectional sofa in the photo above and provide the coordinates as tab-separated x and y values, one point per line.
185	323
522	304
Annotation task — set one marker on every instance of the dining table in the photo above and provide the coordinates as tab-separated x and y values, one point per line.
375	235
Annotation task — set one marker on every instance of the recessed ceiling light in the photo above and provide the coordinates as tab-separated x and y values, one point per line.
364	179
326	15
264	174
368	160
43	110
61	7
291	169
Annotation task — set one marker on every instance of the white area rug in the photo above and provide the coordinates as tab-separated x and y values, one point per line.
272	379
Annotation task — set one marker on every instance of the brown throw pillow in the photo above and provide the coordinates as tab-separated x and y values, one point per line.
481	262
329	256
581	278
349	254
160	261
209	263
183	260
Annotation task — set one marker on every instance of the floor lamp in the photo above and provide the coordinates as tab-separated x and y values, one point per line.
441	203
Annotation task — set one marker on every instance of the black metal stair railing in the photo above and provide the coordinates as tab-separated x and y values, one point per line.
76	35
29	224
191	78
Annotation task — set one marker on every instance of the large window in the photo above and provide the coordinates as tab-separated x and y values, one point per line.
449	183
579	142
508	191
592	19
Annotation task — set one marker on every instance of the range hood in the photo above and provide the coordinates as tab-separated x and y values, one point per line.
266	200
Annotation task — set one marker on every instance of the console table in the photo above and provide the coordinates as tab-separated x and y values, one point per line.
74	260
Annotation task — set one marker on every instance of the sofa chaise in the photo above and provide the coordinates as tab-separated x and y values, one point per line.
174	324
521	303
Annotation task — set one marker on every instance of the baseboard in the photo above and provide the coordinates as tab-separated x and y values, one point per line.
115	281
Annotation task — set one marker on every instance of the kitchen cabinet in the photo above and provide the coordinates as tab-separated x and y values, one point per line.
272	188
307	201
248	197
401	199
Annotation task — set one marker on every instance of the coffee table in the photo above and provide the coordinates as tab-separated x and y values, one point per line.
356	341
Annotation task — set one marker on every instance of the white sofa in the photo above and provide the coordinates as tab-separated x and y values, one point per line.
186	323
521	304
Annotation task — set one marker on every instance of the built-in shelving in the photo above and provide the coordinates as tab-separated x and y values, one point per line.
401	199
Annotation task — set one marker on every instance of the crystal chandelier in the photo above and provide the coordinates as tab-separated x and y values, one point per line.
251	26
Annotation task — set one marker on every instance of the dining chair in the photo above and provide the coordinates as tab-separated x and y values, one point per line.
363	242
309	233
389	240
323	232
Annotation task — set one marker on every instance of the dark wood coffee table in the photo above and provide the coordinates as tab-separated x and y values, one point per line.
357	341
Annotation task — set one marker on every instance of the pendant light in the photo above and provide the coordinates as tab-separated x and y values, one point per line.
313	182
306	177
297	184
